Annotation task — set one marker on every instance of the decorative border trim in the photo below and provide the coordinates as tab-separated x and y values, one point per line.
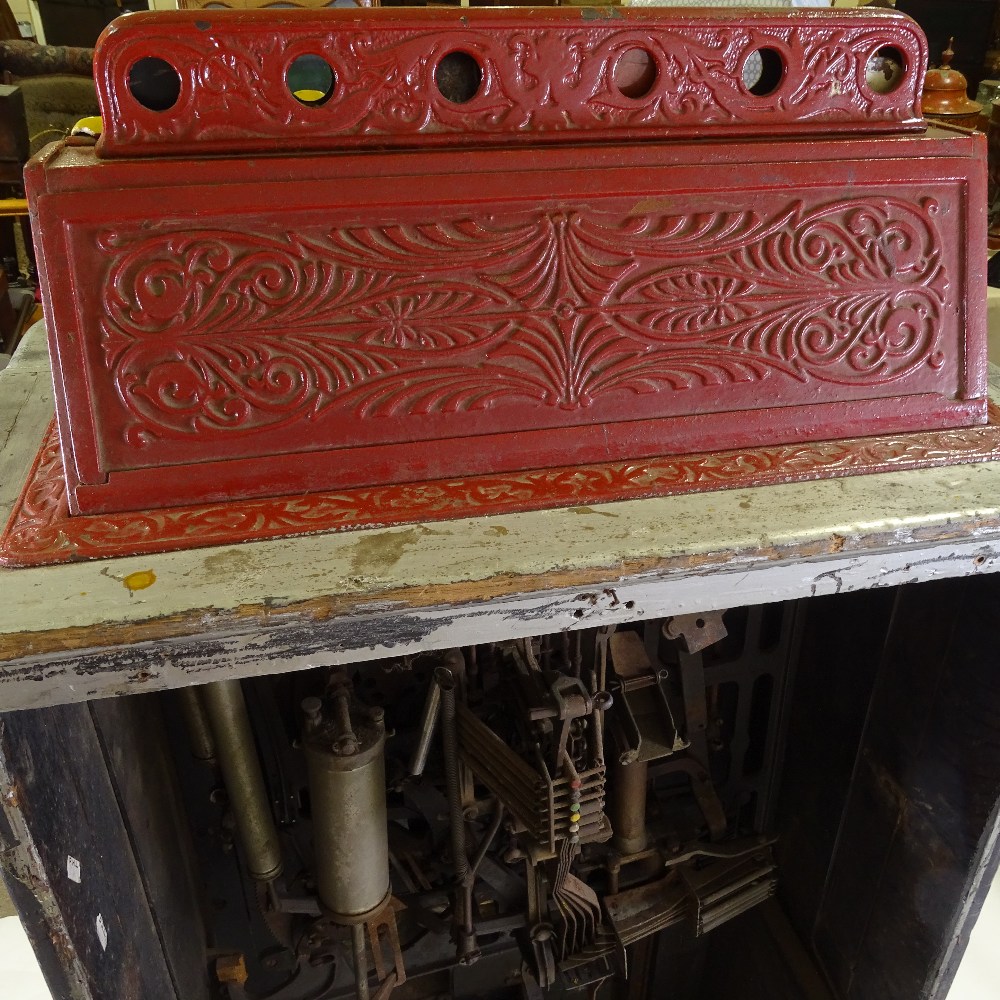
535	77
41	531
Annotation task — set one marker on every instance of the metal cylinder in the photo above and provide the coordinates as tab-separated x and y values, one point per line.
628	802
241	772
347	792
196	721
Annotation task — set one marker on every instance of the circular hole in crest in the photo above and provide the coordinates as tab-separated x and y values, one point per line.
154	83
458	77
635	73
885	70
310	79
763	71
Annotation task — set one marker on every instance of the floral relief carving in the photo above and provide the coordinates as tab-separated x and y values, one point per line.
225	331
537	79
41	531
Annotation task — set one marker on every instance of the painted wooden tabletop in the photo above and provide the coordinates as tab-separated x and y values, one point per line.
85	630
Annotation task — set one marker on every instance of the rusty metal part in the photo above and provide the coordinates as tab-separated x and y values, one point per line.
445	682
539	801
648	909
360	957
344	745
726	851
504	722
645	720
545	962
741	875
198	727
383	935
727	889
386	988
628	806
603	701
241	771
695	705
578	907
695	632
704	792
231	969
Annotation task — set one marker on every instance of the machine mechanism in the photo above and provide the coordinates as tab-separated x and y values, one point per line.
517	819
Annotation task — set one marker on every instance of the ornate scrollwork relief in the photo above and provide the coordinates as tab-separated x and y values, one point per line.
551	74
223	332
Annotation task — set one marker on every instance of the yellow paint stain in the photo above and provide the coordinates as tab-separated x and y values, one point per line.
139	580
591	510
378	553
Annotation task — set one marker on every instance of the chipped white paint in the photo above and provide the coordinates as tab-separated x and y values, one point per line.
102	932
650	557
73	870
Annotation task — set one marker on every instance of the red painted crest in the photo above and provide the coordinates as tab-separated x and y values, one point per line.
398	77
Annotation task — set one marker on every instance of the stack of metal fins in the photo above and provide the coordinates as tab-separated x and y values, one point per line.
538	801
727	889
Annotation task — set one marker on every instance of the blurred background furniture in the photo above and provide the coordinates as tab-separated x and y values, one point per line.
44	91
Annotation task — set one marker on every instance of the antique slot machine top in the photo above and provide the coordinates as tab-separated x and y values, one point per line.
480	242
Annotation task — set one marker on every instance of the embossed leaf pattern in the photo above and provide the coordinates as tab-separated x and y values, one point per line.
431	318
241	331
537	81
41	531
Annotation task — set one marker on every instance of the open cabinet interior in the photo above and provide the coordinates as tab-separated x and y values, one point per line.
794	801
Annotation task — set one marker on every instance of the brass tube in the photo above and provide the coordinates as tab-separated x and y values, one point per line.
241	771
196	721
629	806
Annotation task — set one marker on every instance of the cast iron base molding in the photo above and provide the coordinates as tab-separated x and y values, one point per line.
41	531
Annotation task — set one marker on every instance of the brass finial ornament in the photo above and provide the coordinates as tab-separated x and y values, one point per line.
946	95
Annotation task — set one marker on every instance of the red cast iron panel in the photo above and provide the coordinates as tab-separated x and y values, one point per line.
226	328
580	74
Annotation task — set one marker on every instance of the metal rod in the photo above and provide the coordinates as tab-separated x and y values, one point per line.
241	771
466	934
360	961
487	840
198	727
428	724
445	680
342	714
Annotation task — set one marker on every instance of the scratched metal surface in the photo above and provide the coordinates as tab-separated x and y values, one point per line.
94	629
